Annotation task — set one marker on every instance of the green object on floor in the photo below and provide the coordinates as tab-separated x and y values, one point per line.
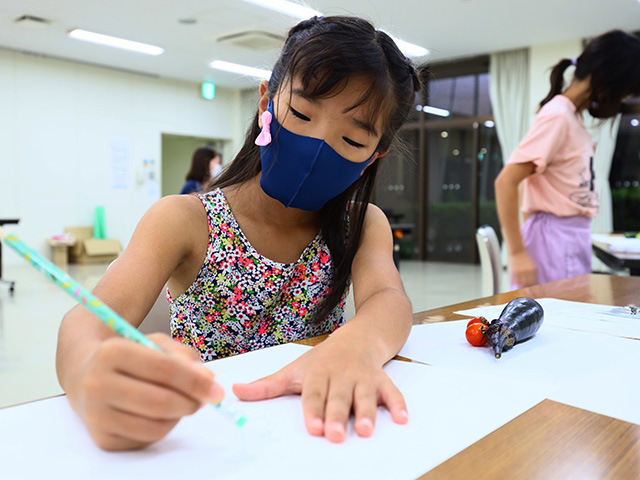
99	224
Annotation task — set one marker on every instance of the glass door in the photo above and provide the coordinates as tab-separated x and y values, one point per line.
450	212
397	192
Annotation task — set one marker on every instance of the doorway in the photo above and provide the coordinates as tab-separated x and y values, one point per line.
176	159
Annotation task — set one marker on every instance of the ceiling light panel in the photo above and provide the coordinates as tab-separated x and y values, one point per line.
115	42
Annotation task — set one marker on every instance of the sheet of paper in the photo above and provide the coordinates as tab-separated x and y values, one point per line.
588	317
550	359
618	244
46	436
614	392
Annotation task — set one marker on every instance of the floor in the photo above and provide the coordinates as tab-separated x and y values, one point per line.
30	318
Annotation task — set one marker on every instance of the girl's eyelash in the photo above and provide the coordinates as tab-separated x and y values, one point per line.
299	115
307	119
352	143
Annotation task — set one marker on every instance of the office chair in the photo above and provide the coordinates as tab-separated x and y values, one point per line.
489	249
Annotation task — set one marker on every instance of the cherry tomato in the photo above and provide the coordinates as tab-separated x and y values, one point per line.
481	320
477	334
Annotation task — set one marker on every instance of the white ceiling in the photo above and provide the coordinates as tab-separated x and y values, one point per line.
449	28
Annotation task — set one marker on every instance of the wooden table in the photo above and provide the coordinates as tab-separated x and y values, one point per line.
617	260
551	440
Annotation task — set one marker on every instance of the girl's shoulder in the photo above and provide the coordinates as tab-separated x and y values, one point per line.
558	106
178	212
374	217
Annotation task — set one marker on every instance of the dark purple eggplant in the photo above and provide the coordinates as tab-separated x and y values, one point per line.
520	319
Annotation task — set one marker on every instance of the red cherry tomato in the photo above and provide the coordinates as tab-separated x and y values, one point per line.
481	320
477	334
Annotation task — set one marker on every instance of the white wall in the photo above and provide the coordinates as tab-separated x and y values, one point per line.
57	121
542	58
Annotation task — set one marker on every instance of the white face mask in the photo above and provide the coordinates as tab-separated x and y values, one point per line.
217	169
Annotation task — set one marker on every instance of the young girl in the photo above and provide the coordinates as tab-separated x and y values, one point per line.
555	161
266	257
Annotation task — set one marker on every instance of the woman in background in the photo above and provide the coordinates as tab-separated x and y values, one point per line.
554	162
205	163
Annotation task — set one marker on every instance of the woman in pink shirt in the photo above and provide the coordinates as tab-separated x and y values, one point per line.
554	162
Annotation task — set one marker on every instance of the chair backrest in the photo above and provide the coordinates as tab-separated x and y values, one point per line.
489	249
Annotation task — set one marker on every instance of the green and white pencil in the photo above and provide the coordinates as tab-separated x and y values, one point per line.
91	303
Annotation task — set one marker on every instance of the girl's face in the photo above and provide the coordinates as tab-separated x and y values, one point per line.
331	119
214	163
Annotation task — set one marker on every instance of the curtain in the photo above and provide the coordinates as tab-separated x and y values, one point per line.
604	135
509	93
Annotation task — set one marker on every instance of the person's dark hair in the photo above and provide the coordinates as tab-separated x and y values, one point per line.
323	53
199	169
613	62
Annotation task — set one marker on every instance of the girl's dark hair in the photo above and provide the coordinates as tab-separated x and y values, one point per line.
323	52
613	62
200	160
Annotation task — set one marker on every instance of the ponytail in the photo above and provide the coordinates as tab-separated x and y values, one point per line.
557	80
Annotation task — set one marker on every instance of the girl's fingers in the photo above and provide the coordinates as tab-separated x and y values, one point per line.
365	406
280	383
391	398
143	399
112	429
166	369
314	399
338	409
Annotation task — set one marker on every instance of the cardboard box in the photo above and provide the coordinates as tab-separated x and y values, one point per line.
60	245
92	250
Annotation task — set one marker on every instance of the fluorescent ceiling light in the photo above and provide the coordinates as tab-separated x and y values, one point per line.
441	112
241	69
115	42
410	49
302	12
288	8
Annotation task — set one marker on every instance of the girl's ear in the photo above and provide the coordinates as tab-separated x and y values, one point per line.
263	103
376	156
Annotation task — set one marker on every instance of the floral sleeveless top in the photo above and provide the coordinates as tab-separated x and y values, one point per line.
242	301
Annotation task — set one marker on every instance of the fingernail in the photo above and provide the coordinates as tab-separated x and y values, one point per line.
365	425
337	428
316	424
216	394
404	415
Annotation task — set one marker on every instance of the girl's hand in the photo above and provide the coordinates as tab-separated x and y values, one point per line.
332	382
524	272
130	396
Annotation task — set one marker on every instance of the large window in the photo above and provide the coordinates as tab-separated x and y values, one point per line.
625	171
441	189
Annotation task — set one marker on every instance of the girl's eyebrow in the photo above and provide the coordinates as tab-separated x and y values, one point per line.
366	126
299	92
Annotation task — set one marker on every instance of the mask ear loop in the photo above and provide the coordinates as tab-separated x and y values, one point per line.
264	138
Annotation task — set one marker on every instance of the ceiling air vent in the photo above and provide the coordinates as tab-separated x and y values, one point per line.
253	39
31	22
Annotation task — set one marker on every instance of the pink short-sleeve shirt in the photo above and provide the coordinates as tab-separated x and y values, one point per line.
562	151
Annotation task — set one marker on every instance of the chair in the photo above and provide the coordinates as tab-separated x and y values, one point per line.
489	249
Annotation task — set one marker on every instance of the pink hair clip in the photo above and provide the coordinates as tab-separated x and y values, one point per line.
265	134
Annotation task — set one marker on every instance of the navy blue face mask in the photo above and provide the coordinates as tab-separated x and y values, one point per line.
302	172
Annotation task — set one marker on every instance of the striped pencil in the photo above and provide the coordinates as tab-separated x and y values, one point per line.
91	302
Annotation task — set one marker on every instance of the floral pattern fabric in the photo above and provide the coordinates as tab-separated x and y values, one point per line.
242	301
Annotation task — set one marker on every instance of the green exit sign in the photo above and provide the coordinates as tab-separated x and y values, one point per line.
208	90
